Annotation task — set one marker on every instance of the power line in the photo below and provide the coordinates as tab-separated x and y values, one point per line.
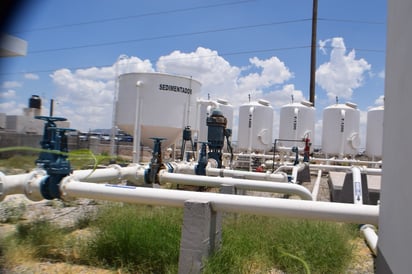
352	21
170	36
204	56
142	15
198	32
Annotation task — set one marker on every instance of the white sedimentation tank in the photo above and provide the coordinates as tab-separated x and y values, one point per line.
204	110
255	131
340	133
297	122
156	105
374	132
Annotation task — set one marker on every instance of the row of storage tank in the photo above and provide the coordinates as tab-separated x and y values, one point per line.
161	105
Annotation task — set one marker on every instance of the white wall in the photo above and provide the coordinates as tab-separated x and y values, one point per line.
395	220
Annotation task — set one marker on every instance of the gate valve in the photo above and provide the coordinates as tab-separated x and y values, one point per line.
53	157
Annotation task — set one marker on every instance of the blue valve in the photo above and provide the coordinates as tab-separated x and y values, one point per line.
53	158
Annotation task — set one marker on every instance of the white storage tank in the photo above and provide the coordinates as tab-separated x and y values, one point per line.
374	132
255	129
297	122
159	105
204	109
340	133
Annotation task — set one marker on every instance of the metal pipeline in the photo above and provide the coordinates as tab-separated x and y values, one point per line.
295	170
211	170
357	185
113	173
316	186
17	184
70	187
368	232
339	212
302	192
369	171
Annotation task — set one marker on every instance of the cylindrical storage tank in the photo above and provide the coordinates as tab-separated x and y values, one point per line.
374	132
35	102
297	122
204	109
157	105
340	133
255	129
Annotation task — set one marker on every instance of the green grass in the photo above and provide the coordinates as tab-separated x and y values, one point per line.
44	238
253	244
138	239
25	162
146	239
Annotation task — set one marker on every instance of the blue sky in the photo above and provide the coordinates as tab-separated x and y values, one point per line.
235	48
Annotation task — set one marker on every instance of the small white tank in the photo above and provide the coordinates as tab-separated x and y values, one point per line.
255	131
374	132
204	109
297	122
159	105
340	133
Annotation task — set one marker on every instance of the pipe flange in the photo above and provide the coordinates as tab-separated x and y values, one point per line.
32	188
119	169
63	184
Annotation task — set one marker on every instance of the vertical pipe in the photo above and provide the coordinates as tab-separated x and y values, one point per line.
251	110
368	232
313	52
51	107
342	133
357	185
137	124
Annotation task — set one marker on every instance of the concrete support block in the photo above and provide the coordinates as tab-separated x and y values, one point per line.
198	236
304	175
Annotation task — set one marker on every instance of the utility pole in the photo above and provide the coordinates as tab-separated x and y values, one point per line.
313	53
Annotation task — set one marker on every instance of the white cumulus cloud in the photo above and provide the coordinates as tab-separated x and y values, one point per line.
11	84
343	73
85	96
31	76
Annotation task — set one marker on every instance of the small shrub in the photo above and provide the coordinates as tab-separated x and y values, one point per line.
44	237
138	239
254	244
10	212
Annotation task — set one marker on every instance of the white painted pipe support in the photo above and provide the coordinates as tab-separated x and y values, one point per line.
368	232
339	212
196	180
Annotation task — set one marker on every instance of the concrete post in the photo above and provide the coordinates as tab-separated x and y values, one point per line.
198	236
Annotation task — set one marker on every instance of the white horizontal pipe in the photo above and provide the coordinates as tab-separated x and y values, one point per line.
338	212
185	179
316	186
189	168
346	161
16	184
113	173
368	232
263	176
370	171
